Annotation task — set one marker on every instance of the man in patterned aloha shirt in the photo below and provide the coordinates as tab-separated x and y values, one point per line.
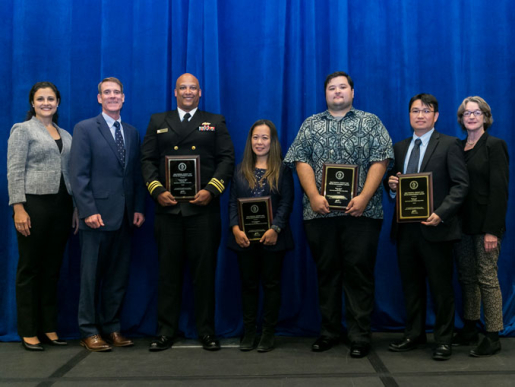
343	243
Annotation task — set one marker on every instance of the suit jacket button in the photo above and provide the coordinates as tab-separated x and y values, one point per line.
176	147
193	147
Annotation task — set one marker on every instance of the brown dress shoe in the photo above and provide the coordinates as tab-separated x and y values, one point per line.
117	340
95	344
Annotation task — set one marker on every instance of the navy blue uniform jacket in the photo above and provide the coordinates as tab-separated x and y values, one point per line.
205	135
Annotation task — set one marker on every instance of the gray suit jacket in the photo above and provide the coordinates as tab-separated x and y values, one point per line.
34	164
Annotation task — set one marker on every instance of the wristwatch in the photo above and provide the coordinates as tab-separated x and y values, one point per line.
277	229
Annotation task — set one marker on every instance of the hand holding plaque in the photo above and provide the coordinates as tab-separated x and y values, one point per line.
414	197
255	216
183	176
339	185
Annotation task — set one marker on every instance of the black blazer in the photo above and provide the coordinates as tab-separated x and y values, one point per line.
484	210
205	135
282	205
444	157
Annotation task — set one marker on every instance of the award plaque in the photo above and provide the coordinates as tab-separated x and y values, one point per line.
414	197
255	216
339	185
183	176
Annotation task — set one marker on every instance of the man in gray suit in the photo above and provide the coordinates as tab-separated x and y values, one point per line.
109	193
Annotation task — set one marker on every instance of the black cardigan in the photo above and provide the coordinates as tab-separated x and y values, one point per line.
282	204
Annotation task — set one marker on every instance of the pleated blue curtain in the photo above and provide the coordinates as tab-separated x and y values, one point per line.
254	60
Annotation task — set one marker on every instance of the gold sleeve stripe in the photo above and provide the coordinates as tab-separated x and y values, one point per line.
221	183
219	186
216	186
153	185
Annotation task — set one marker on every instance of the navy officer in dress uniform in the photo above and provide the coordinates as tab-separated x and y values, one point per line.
187	231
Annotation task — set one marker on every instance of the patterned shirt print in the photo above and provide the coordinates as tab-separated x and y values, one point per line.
259	189
358	138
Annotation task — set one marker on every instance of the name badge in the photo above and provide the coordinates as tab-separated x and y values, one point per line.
164	130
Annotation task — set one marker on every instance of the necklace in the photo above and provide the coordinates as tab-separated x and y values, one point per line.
471	142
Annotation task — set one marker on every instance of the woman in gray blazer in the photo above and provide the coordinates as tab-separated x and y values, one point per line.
40	195
483	219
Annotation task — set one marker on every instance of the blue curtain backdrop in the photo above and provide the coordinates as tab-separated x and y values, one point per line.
254	59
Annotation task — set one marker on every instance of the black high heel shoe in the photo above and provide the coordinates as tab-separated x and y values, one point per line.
32	347
47	340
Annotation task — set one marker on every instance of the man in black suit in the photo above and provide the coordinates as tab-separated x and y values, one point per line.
425	249
187	231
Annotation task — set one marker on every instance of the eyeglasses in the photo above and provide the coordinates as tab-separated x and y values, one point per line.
477	113
423	111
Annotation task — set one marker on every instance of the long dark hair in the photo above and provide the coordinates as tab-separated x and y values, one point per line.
42	85
274	158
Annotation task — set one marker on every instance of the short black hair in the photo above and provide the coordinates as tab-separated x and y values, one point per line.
427	99
336	75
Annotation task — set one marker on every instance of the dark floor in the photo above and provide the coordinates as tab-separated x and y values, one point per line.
290	364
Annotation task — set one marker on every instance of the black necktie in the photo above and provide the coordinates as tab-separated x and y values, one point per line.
186	118
414	157
120	146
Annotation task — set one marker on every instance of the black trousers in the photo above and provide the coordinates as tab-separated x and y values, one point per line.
41	256
420	259
193	240
344	249
258	265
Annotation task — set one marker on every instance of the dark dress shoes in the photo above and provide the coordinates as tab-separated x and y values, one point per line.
442	352
47	340
406	344
95	343
32	347
486	347
161	343
248	342
323	343
359	349
117	340
267	342
210	343
462	338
